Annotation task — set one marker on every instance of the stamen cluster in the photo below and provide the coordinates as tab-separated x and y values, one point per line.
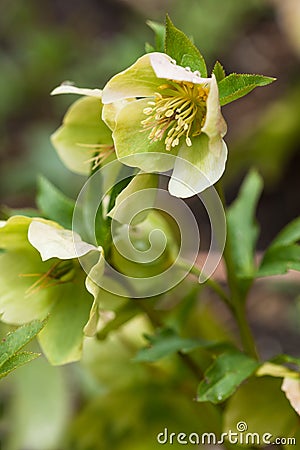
178	109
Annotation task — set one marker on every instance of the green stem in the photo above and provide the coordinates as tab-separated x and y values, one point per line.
245	330
238	298
214	285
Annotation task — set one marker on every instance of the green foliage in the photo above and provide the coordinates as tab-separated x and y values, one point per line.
10	356
236	85
160	32
219	71
166	342
224	376
54	204
284	252
242	229
180	47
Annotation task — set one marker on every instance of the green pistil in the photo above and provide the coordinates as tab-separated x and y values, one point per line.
179	109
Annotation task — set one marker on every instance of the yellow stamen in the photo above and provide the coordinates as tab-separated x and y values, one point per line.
179	109
61	272
100	151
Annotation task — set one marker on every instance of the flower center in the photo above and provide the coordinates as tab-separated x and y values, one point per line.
178	109
60	272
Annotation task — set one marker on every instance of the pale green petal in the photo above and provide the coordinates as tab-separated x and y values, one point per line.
215	125
21	267
19	270
13	233
82	131
132	143
93	283
142	190
61	339
139	80
70	89
54	242
204	170
111	110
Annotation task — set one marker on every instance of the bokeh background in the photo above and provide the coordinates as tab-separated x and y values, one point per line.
43	43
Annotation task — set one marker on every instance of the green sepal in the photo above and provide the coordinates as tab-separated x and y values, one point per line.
181	48
54	204
284	252
237	85
219	71
160	34
224	376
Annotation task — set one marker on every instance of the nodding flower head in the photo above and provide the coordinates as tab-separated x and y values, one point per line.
171	110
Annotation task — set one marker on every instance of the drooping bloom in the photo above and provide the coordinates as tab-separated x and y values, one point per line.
40	276
172	111
83	141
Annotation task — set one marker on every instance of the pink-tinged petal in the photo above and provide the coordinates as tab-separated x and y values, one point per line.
54	242
165	67
70	89
197	167
139	80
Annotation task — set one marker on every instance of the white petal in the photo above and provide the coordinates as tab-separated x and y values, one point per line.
291	388
70	89
165	67
196	168
54	242
215	124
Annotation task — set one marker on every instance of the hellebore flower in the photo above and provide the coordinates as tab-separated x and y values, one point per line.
40	276
172	111
84	140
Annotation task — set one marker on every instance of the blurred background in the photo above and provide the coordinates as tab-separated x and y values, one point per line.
45	43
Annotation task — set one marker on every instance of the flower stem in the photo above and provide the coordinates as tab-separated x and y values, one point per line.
237	298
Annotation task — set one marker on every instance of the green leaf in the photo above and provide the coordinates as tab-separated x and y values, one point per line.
236	85
289	235
18	360
160	32
224	376
284	252
10	357
279	359
54	204
181	48
242	229
16	340
219	71
149	48
166	342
